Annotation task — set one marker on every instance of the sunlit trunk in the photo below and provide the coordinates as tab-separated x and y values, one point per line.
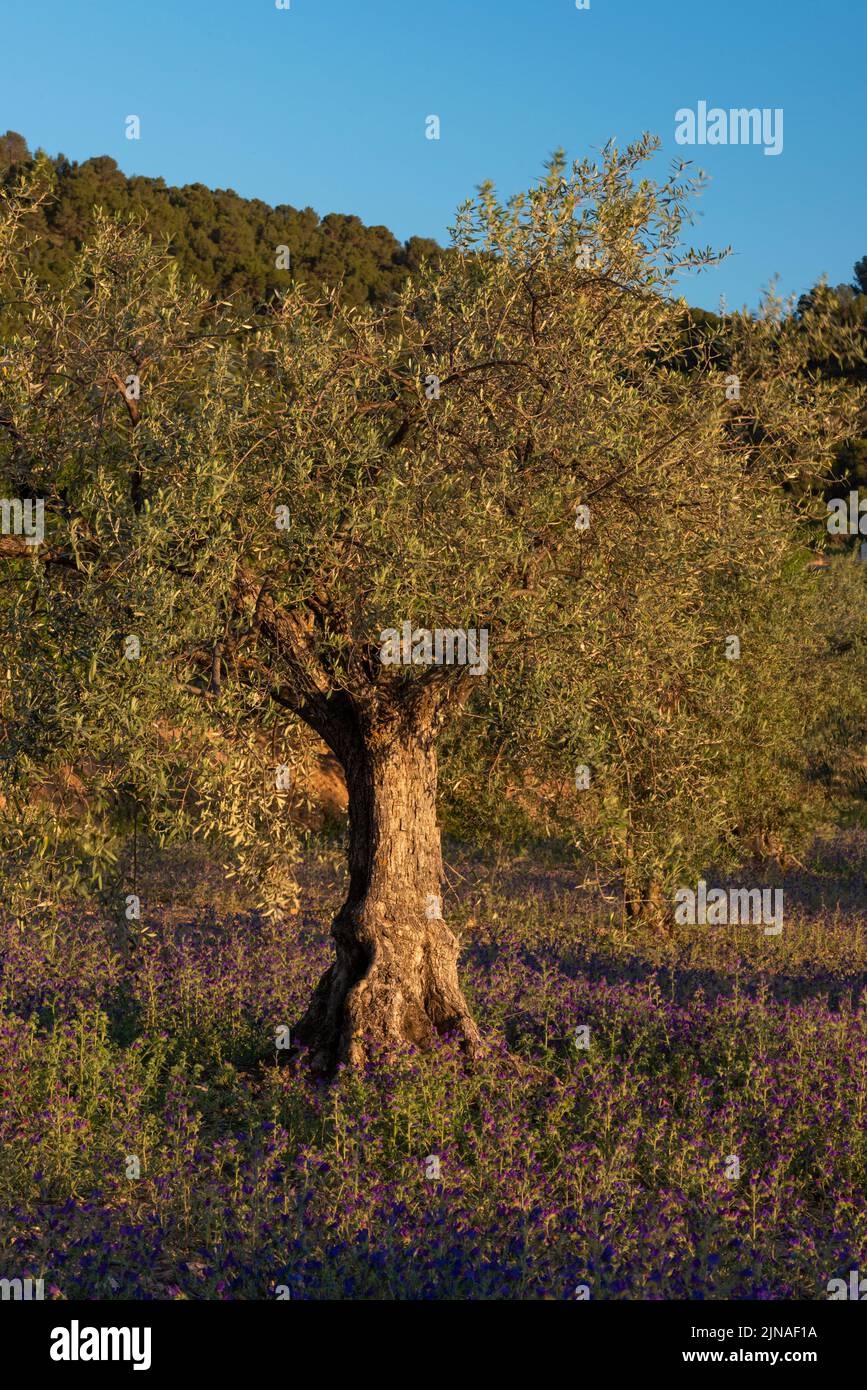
394	980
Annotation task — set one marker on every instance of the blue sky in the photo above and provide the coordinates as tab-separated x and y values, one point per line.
324	105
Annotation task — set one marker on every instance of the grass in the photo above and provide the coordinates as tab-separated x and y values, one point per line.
708	1142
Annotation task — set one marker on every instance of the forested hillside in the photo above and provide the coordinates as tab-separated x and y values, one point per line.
228	242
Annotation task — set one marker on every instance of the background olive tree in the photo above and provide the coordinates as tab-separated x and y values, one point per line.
693	761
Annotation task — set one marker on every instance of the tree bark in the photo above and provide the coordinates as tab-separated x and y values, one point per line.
394	980
643	898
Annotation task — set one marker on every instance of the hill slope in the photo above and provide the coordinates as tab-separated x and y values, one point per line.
227	242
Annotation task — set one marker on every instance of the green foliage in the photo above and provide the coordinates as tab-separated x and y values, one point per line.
558	346
227	242
840	353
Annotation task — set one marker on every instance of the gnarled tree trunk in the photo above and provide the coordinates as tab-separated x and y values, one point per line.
395	976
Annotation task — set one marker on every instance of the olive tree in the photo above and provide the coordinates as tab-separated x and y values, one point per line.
357	520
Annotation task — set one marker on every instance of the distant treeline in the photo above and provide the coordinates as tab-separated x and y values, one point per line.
227	242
